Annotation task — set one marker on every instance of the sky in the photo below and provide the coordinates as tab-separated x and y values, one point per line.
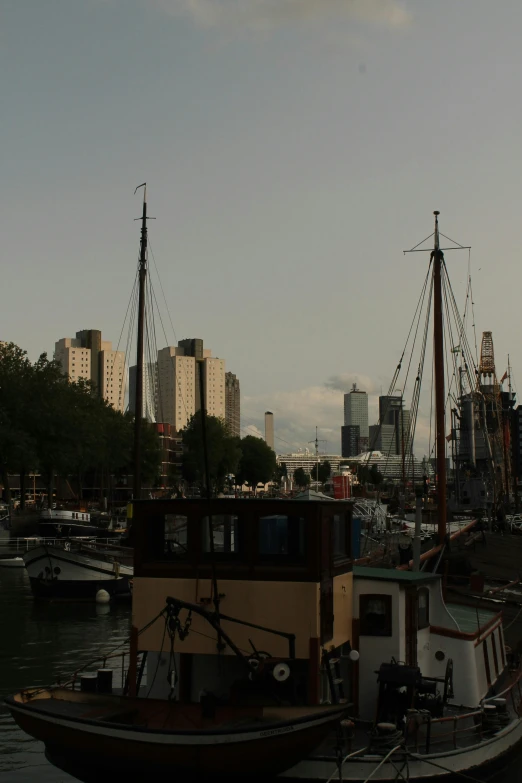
292	149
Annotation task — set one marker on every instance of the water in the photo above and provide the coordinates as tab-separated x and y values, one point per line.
39	643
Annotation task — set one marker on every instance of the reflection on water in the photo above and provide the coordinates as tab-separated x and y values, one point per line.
41	643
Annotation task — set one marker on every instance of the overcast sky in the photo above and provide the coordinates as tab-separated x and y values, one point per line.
292	148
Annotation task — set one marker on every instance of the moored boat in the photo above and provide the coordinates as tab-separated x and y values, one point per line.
78	570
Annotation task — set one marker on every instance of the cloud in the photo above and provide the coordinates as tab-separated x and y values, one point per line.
344	382
298	412
267	14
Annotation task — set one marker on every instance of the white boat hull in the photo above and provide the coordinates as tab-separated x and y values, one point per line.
55	572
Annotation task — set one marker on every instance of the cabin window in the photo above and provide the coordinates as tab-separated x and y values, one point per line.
225	534
341	537
281	535
176	541
375	613
423	609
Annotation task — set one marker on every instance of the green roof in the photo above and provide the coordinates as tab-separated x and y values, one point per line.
393	575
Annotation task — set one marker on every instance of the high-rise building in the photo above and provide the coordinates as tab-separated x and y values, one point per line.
88	356
350	440
232	404
151	409
356	410
392	434
176	387
269	429
178	383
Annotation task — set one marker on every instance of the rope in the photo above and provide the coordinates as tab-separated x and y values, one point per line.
445	769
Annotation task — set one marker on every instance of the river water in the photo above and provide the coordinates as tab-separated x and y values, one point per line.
41	643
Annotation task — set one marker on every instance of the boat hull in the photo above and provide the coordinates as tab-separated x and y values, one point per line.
84	748
56	573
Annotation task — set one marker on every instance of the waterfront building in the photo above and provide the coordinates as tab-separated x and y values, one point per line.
232	404
88	356
152	408
269	429
308	461
178	382
394	466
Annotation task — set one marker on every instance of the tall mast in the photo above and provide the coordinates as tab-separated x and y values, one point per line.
142	275
440	402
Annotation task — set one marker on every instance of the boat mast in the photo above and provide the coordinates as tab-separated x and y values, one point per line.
142	275
440	402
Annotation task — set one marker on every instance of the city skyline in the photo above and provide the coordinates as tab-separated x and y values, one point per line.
321	160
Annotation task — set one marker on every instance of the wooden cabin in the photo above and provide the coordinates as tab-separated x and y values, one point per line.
284	565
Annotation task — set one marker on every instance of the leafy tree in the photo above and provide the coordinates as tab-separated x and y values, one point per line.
224	451
323	472
375	476
301	478
63	427
280	473
257	463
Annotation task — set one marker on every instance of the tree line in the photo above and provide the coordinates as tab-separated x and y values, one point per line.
232	461
55	426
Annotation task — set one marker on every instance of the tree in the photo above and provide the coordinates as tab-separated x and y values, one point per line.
257	463
280	473
323	471
224	451
375	476
301	478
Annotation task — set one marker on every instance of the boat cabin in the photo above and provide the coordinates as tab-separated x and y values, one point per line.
402	620
283	570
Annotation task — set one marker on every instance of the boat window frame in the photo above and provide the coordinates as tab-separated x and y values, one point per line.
232	555
364	600
292	558
423	622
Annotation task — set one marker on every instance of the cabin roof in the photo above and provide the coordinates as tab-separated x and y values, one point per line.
393	575
470	619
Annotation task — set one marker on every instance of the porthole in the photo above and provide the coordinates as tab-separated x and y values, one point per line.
440	655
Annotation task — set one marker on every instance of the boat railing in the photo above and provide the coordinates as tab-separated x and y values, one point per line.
11	545
427	732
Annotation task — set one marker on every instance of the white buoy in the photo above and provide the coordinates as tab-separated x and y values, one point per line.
102	597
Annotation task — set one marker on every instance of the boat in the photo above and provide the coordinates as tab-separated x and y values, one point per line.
279	655
78	570
150	737
12	562
72	523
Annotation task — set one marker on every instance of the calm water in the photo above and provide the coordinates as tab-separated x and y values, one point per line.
39	643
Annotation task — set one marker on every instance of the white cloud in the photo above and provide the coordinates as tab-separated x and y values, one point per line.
266	14
297	413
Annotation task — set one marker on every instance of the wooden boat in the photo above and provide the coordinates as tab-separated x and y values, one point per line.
132	733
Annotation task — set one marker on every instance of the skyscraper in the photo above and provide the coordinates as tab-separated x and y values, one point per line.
395	425
178	382
88	356
151	409
354	434
232	404
356	410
